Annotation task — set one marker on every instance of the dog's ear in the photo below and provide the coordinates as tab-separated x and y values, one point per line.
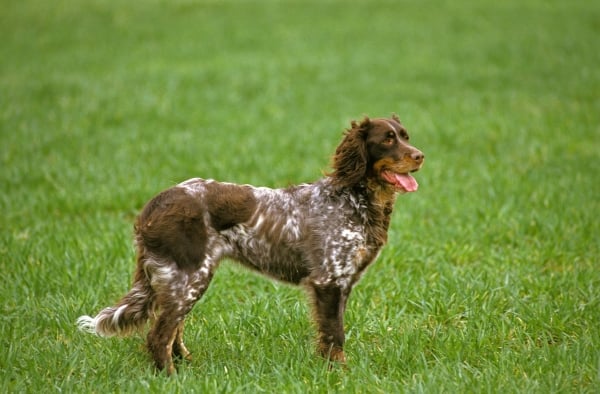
350	159
364	124
396	118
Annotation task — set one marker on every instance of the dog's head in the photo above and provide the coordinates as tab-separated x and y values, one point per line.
377	152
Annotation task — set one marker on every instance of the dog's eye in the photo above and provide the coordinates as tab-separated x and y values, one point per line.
404	135
390	137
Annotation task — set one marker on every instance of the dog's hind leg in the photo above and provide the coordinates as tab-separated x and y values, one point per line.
177	290
160	342
179	349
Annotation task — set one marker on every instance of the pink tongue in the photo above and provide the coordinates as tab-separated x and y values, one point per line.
407	182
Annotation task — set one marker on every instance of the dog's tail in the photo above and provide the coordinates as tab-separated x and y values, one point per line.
128	315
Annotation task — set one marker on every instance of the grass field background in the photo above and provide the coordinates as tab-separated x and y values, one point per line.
491	279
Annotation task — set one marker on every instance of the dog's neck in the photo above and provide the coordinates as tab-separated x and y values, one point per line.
375	205
381	200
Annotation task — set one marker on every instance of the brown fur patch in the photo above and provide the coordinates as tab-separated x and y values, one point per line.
172	225
229	204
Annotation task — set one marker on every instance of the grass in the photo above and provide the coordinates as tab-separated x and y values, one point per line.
490	281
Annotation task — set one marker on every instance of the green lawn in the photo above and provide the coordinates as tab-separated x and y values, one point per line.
491	279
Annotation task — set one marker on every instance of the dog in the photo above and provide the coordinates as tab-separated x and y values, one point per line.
321	236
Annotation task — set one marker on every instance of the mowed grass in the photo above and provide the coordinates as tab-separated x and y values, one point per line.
491	279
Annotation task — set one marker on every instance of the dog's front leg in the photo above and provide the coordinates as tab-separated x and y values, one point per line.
329	304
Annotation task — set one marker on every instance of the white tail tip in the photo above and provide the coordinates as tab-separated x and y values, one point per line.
87	324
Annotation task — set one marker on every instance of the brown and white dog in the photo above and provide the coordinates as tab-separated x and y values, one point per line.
321	235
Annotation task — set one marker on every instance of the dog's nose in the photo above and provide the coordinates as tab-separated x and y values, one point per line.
417	156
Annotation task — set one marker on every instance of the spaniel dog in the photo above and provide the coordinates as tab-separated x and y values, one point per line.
321	235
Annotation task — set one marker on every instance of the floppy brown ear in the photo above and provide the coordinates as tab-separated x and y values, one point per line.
396	118
350	159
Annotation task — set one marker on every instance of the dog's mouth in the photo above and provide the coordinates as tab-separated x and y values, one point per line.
401	182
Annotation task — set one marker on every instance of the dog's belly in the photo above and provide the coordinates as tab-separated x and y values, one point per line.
274	257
